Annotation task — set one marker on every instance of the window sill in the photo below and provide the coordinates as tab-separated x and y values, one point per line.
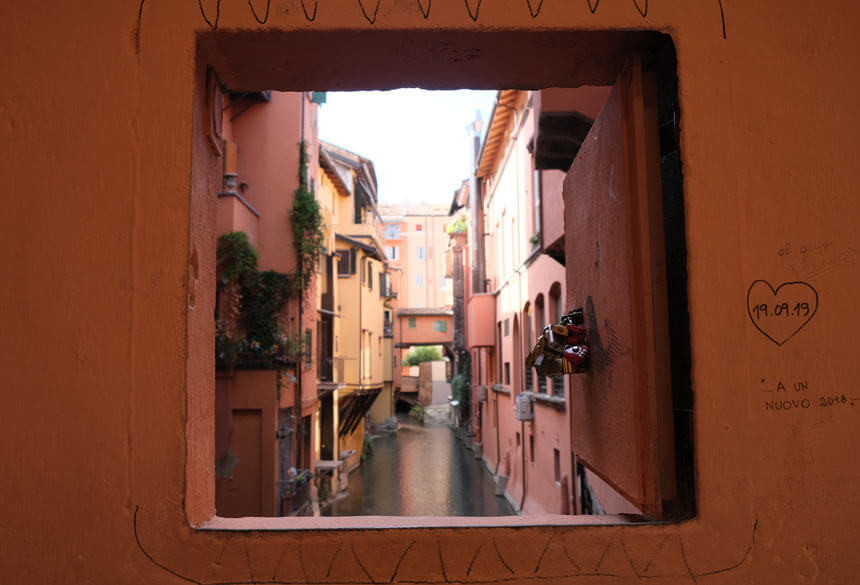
557	402
500	389
294	523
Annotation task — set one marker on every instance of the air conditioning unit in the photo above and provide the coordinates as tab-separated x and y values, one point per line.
483	394
525	408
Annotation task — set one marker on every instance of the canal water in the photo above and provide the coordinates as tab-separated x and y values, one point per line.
420	470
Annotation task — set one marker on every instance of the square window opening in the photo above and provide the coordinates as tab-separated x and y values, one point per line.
679	328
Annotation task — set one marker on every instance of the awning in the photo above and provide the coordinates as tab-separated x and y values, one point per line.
353	408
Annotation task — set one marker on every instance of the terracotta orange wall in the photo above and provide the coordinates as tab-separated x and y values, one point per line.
423	333
234	216
106	310
552	210
268	134
251	390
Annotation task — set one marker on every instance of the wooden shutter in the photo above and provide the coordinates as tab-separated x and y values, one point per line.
621	409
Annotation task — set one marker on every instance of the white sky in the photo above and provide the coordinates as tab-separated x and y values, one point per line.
417	139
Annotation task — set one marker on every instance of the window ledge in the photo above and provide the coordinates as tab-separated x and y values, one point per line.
241	200
295	523
554	401
500	389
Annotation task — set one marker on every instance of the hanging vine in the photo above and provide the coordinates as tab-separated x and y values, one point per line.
248	331
307	222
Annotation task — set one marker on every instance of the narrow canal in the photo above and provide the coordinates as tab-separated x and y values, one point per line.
420	470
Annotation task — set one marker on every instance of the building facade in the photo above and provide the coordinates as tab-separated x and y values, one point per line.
519	288
415	242
109	231
265	391
361	342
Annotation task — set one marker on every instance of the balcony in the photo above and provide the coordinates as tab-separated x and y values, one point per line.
338	364
481	315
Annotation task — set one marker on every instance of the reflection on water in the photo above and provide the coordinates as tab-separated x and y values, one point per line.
421	470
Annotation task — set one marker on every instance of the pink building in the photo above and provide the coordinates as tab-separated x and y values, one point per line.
415	244
514	285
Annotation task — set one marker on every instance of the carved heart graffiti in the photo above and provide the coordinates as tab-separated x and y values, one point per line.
781	312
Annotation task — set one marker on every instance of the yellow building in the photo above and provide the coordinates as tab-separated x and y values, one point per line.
354	292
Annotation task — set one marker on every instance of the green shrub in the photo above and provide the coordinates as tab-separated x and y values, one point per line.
425	353
248	329
366	447
461	382
459	226
236	256
417	412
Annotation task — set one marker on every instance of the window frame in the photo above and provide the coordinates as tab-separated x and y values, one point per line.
500	346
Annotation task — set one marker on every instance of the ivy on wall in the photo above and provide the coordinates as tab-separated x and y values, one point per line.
247	329
248	332
307	222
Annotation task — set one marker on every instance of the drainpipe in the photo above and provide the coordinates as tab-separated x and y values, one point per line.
523	435
498	440
298	393
476	250
360	329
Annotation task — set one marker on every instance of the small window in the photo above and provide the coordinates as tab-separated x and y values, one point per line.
392	231
419	227
444	281
369	275
392	252
419	280
412	324
507	327
507	373
558	386
363	272
440	325
556	463
420	251
345	262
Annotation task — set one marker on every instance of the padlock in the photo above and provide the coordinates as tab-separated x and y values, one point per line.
561	348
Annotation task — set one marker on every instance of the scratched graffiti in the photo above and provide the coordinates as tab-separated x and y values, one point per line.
248	558
370	10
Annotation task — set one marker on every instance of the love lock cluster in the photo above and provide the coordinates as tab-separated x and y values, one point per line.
561	348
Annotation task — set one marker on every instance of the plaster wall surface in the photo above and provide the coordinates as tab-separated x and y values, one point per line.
235	216
422	244
106	348
425	332
552	213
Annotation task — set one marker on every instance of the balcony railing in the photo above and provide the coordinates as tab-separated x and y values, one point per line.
338	364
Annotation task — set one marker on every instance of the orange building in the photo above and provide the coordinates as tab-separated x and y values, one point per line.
415	245
109	227
265	390
362	343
